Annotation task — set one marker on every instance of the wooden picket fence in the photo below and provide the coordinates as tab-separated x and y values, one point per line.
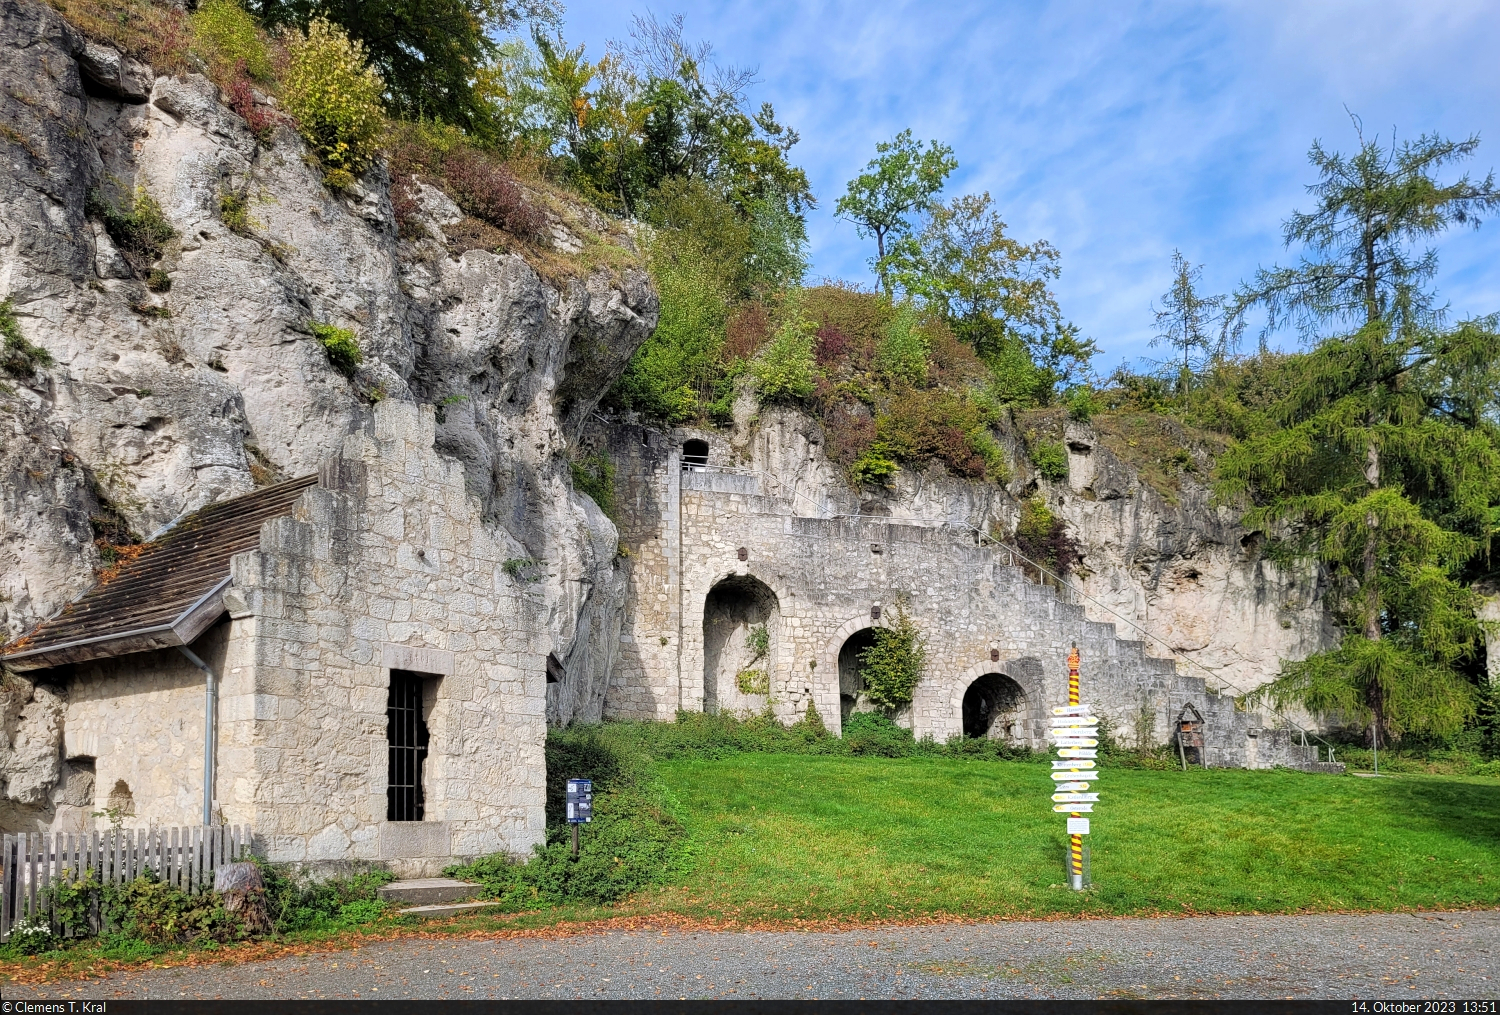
184	858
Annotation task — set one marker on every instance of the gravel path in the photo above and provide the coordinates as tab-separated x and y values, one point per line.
1389	956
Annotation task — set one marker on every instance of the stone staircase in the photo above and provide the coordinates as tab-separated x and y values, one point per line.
428	898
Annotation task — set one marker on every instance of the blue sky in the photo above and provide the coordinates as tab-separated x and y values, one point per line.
1117	130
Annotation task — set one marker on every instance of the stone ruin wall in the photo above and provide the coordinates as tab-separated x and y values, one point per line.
682	532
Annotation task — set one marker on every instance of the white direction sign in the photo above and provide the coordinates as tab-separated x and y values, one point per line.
1073	808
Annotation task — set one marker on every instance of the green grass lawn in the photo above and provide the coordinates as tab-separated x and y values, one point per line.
780	837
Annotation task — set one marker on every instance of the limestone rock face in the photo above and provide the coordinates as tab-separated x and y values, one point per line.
1181	575
209	382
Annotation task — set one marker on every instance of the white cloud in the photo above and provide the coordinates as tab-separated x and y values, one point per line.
1118	131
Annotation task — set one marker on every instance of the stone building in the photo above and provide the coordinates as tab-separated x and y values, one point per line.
719	553
381	681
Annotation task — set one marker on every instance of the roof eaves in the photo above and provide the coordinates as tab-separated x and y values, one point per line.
184	629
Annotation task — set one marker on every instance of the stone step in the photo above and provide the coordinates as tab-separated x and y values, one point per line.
451	909
428	891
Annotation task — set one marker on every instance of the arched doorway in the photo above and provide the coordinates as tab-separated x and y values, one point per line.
694	454
850	682
740	627
994	706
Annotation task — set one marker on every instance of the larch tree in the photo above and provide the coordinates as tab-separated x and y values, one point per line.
1366	465
1186	320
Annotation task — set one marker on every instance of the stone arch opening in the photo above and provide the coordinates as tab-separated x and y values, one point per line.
694	454
851	684
994	706
741	621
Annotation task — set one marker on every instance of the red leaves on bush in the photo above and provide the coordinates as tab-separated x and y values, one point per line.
832	345
848	432
746	332
488	191
260	119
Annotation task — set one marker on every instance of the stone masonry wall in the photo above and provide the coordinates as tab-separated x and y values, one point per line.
385	565
140	718
979	615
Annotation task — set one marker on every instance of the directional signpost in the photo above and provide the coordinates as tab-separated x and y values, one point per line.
1075	732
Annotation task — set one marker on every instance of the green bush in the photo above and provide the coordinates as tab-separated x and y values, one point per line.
156	913
1050	459
18	357
340	345
594	475
1082	404
232	37
874	734
902	354
298	902
138	229
335	99
785	370
636	838
676	370
892	667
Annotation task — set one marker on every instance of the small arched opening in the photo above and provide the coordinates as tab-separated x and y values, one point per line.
994	707
695	454
740	627
851	684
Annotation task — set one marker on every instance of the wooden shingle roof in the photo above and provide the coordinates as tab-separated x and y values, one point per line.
168	595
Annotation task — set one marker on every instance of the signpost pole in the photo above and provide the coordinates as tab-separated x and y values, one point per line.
1075	841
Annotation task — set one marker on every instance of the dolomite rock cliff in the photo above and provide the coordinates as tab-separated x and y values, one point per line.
159	403
1180	569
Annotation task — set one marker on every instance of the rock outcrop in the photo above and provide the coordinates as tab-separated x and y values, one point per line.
185	378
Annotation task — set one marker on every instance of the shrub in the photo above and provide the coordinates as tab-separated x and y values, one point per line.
156	913
785	368
594	475
1050	459
1082	404
951	427
874	466
636	838
892	667
1043	537
260	120
340	345
138	229
335	99
677	368
297	902
874	734
486	189
30	936
234	210
753	681
18	357
758	641
902	354
230	38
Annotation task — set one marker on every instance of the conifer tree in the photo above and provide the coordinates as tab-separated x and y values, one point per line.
1371	464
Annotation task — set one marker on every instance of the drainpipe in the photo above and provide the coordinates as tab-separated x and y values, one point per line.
210	694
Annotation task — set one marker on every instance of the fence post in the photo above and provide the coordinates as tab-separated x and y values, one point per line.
7	893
